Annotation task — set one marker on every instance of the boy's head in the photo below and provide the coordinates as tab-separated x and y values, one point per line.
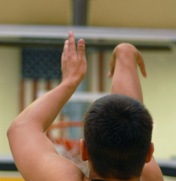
118	131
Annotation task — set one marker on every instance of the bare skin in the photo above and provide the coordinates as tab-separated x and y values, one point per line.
125	80
34	154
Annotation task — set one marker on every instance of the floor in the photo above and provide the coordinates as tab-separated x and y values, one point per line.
15	176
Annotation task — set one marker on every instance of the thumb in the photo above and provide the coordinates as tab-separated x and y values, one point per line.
141	65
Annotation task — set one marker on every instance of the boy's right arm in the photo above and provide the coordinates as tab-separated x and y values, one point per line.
125	80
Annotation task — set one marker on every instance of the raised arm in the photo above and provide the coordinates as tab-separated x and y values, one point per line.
34	154
123	70
125	80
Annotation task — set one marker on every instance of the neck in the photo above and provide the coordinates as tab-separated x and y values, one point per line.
100	179
96	177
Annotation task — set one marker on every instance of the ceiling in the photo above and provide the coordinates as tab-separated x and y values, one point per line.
109	13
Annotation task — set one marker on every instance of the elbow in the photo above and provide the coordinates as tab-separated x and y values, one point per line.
14	130
11	131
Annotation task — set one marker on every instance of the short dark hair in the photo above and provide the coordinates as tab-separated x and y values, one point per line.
118	131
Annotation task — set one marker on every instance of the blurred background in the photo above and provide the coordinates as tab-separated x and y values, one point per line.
31	40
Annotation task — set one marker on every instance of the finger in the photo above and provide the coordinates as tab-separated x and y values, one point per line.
71	43
65	49
81	48
141	65
112	65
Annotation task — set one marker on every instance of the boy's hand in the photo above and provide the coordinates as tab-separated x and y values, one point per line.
125	49
74	65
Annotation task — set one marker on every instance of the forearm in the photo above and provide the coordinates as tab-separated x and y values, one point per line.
41	113
125	78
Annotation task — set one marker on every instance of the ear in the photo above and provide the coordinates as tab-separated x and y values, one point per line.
83	150
150	153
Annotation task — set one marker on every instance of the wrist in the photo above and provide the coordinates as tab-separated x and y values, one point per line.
70	84
126	51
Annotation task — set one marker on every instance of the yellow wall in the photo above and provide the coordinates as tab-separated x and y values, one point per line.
9	77
35	12
118	13
159	96
136	13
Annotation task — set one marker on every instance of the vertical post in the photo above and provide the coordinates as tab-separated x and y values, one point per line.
21	95
35	88
80	10
101	72
48	85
